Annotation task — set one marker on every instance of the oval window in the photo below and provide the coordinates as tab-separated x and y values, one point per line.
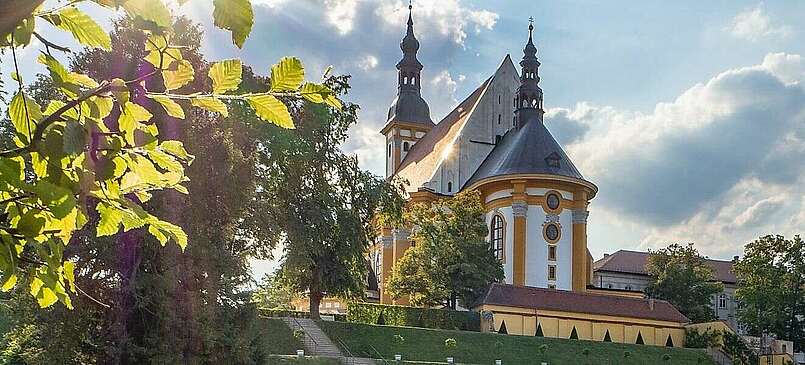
552	232
553	201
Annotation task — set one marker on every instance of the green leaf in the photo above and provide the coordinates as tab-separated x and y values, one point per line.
315	93
226	76
236	16
162	230
69	274
287	75
85	30
9	283
130	119
171	107
75	139
165	161
175	148
152	12
111	217
31	224
24	123
183	74
211	103
271	109
21	34
46	297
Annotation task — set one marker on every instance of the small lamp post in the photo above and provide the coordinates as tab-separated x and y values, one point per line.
498	362
398	358
300	353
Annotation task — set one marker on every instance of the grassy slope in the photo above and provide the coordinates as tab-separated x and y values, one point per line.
279	338
479	348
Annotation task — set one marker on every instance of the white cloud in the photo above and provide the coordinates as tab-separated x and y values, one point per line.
341	14
753	25
719	166
441	94
368	62
449	18
269	3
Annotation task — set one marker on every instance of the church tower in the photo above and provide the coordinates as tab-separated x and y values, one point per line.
409	115
529	95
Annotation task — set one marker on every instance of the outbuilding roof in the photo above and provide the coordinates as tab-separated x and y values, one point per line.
634	262
584	303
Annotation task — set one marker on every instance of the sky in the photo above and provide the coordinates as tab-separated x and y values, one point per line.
688	115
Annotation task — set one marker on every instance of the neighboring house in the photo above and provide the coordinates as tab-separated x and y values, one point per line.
626	270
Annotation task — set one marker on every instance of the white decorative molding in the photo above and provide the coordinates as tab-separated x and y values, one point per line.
519	208
400	234
580	216
551	218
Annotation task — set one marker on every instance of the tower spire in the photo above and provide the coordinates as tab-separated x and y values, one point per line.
529	94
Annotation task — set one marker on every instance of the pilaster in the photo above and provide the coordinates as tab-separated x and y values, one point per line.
579	261
519	210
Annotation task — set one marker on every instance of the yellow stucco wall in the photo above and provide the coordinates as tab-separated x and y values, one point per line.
521	321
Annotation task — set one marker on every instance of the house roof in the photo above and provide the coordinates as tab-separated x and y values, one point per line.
634	262
568	301
425	155
530	149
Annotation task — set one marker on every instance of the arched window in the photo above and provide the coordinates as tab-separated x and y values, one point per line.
449	187
389	149
406	146
499	99
722	301
405	80
496	236
499	116
413	80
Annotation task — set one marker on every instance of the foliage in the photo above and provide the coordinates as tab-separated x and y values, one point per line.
396	315
274	292
317	202
772	288
428	345
97	148
450	259
702	340
738	351
279	339
681	276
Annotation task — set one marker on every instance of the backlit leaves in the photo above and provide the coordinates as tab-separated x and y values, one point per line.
150	14
210	103
171	107
226	76
236	16
271	109
85	30
287	75
178	77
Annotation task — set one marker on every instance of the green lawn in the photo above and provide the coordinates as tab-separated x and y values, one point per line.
480	348
279	338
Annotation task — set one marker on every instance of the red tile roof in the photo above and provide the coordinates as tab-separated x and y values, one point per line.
586	303
634	262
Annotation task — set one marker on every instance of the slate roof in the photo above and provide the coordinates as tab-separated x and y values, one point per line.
409	107
586	303
634	262
530	149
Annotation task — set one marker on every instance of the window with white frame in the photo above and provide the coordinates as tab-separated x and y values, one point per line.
722	301
496	236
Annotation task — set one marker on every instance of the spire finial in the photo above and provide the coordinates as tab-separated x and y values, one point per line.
530	27
410	11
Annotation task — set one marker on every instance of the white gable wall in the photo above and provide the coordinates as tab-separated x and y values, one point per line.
477	138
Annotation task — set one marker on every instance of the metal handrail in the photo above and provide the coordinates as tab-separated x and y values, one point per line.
308	336
344	346
378	354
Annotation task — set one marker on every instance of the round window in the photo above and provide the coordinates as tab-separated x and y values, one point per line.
553	201
552	232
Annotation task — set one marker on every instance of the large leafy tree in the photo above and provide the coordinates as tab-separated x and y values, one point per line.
680	275
316	201
150	304
772	288
451	259
96	147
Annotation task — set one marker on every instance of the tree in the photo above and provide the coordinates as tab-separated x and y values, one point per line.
95	148
451	259
771	290
275	292
161	305
681	276
316	202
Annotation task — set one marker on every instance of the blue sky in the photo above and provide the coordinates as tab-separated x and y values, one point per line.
689	115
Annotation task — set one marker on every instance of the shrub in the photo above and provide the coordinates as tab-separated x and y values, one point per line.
397	315
280	313
450	345
700	340
299	335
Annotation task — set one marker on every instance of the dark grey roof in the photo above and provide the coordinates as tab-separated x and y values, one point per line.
530	149
409	107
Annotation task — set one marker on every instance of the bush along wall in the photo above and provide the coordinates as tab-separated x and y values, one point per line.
279	313
397	315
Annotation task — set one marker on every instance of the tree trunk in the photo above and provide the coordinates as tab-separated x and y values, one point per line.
315	301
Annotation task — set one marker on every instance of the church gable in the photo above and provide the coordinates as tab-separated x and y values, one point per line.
451	152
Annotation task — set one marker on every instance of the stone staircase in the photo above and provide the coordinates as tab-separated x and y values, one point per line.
317	343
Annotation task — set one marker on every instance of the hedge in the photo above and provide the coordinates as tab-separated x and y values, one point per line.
281	313
397	315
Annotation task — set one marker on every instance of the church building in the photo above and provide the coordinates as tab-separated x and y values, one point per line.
495	141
